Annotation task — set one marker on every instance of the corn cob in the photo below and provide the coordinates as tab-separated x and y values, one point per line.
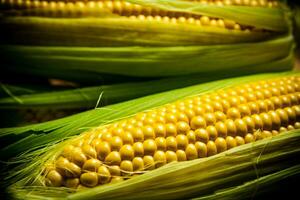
27	177
166	26
129	38
192	128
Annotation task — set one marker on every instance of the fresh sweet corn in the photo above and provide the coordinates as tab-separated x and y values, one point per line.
191	128
136	38
123	23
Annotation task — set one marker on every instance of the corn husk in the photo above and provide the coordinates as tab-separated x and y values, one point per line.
109	29
30	106
34	105
83	63
107	45
235	172
87	97
32	146
7	90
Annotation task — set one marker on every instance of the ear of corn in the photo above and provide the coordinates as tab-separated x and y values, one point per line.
275	92
35	31
118	29
147	39
228	172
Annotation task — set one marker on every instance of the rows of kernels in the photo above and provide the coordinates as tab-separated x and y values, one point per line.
254	3
133	11
120	6
192	128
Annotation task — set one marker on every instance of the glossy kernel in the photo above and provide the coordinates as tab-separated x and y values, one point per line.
137	134
191	136
171	156
89	179
201	149
231	128
149	147
182	127
113	158
182	141
231	142
138	149
198	122
126	152
249	138
171	143
161	143
116	143
241	127
148	132
149	162
89	151
211	148
202	135
102	149
221	144
138	164
104	175
126	167
171	130
55	178
191	152
91	165
239	140
212	132
160	130
159	159
210	118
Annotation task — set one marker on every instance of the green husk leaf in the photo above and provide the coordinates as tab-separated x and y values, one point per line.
117	32
17	89
40	107
87	97
197	178
144	61
257	187
17	140
7	90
